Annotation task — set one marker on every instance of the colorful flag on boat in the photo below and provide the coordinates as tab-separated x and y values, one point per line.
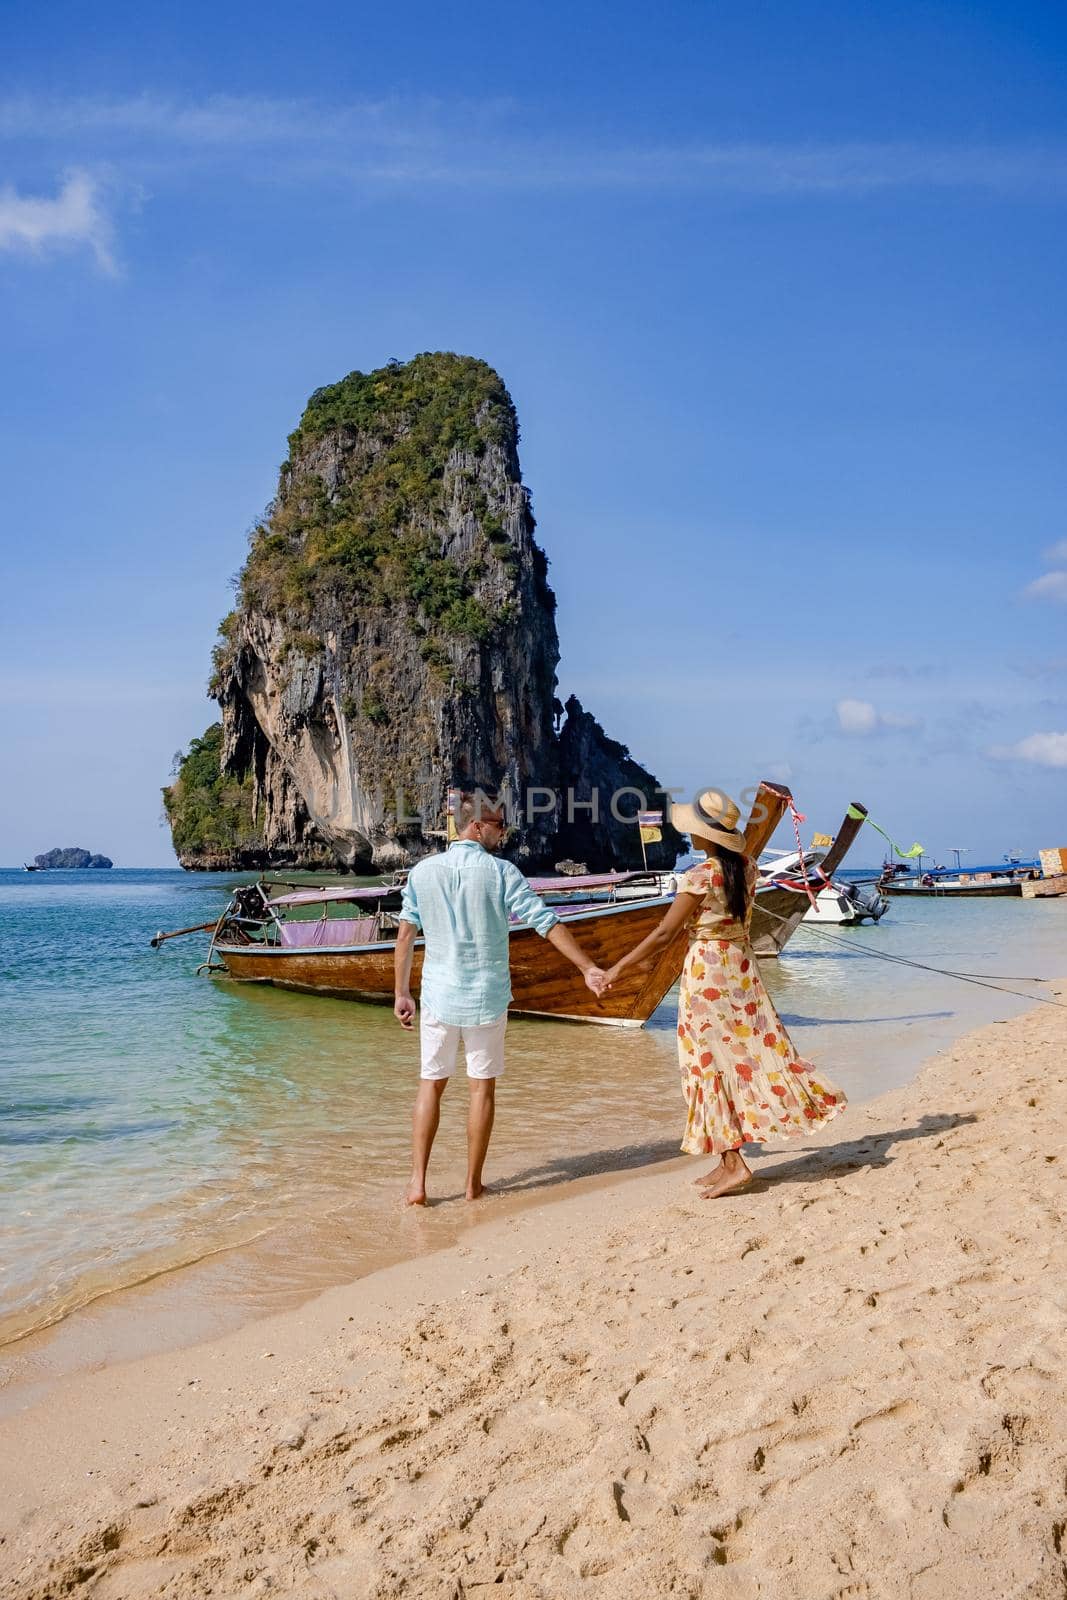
905	855
650	823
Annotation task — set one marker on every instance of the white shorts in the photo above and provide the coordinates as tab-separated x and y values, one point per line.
483	1045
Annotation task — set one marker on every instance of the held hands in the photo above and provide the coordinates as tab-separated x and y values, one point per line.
595	980
404	1011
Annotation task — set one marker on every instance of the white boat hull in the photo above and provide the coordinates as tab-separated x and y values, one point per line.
831	907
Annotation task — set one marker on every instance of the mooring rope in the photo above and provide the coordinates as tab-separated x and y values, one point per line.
982	982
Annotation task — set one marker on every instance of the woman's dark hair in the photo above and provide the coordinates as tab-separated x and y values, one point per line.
735	888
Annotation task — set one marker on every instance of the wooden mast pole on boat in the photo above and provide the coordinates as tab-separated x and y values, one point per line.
768	808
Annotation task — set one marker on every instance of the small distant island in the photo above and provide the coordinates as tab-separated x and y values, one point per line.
55	860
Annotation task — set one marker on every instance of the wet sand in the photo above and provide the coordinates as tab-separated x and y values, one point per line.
846	1381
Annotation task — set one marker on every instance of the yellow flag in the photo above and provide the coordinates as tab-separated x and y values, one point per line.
649	825
454	797
821	841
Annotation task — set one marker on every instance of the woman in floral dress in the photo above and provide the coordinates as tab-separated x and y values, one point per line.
742	1079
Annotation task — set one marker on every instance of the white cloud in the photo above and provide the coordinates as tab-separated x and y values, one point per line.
1057	553
861	717
1051	586
1041	749
856	716
74	218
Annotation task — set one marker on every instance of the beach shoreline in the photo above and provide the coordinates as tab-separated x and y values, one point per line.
318	1220
845	1381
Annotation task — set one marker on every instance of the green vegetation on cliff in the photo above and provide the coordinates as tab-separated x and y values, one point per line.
375	539
209	811
438	398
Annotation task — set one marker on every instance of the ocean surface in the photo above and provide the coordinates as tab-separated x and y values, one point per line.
151	1118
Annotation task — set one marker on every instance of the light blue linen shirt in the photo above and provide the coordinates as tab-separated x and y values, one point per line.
463	901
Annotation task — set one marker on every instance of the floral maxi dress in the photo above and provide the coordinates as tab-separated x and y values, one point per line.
742	1079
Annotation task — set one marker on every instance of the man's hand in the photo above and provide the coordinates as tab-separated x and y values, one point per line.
404	1011
610	978
594	979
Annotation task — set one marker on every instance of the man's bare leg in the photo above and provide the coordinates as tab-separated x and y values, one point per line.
424	1123
479	1127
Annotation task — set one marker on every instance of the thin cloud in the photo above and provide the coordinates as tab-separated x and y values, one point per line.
909	671
29	690
1039	749
442	143
1056	554
217	120
861	717
1050	586
1050	667
74	219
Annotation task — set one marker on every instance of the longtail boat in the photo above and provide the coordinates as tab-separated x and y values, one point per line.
258	939
783	899
976	882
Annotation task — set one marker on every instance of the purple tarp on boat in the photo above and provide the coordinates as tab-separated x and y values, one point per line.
338	930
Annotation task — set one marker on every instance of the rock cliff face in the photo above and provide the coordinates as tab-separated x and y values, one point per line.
395	635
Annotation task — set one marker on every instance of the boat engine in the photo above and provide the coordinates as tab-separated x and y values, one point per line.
867	901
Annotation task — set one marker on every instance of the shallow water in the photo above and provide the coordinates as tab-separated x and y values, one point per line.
150	1117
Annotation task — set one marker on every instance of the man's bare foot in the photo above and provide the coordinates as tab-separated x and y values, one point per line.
731	1179
415	1194
711	1176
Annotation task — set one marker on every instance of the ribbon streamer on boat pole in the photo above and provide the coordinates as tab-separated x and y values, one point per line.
798	818
905	855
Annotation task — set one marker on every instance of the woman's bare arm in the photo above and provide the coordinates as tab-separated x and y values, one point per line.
674	919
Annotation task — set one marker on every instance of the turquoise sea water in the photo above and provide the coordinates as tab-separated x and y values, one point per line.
149	1117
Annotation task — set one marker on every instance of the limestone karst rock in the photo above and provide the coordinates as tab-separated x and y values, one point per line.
68	857
395	635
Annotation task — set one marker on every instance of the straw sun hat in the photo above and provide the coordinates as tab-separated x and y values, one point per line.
713	816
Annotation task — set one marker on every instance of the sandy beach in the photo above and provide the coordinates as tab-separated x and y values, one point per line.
846	1381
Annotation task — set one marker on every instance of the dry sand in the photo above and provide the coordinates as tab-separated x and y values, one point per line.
848	1381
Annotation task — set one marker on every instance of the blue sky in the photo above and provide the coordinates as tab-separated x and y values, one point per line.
777	291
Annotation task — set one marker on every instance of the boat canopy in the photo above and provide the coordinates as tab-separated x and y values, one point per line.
326	896
591	880
321	897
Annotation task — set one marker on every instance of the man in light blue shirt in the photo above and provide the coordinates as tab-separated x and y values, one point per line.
463	902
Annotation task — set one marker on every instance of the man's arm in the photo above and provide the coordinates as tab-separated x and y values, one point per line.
410	925
403	1004
531	909
568	946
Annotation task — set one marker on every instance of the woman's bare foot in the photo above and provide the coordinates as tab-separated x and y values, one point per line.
476	1191
735	1174
415	1194
711	1176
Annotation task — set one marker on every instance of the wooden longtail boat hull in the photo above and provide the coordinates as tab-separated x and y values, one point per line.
543	982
